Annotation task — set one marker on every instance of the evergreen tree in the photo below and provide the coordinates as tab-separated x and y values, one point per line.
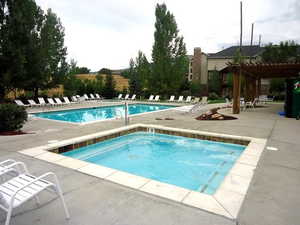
32	52
109	86
138	73
19	22
170	63
50	56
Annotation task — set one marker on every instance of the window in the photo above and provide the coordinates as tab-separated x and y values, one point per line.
191	70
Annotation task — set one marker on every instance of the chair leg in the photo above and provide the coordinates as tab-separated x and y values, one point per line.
59	192
8	216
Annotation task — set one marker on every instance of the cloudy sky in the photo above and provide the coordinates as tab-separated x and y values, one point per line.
107	33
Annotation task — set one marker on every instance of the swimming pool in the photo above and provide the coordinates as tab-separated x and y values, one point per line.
194	164
100	113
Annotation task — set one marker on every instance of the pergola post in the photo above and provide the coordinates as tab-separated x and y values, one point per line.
247	88
258	87
236	92
253	89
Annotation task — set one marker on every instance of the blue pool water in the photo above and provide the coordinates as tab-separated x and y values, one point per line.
100	113
194	164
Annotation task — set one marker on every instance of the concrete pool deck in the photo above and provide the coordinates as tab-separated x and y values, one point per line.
273	196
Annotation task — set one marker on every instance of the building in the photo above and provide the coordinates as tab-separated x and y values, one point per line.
203	65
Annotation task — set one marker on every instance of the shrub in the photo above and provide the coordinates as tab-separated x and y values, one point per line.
12	117
213	96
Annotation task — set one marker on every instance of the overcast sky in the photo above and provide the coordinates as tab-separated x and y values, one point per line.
107	33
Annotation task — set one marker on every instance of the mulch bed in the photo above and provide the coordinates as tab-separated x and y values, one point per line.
11	133
214	115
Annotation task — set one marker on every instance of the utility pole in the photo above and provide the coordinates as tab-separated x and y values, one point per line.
241	34
259	41
251	43
252	34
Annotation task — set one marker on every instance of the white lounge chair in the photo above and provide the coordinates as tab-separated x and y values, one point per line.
188	99
120	96
126	97
67	101
172	98
58	101
196	100
98	96
20	103
204	100
51	102
180	99
92	97
156	98
74	99
133	97
86	97
42	101
33	103
26	186
151	98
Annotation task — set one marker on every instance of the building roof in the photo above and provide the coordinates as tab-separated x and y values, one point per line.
247	50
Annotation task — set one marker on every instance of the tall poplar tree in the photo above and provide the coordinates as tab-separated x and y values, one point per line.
32	52
170	63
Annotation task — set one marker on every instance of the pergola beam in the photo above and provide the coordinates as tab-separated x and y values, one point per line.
253	73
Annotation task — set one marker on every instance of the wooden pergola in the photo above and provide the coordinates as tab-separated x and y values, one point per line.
253	73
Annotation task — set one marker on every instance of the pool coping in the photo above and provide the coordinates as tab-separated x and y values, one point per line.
98	121
226	201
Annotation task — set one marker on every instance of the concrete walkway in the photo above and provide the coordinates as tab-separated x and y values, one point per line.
273	196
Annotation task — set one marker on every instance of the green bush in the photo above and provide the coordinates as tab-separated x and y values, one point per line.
12	117
213	96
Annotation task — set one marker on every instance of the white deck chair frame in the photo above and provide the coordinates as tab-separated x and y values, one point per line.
172	98
20	103
133	97
51	102
120	96
188	99
151	98
156	99
42	101
33	103
58	101
24	187
126	97
180	99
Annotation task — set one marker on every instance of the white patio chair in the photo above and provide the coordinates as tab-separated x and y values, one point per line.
180	99
33	103
126	97
156	98
133	97
172	98
24	187
20	103
51	102
98	96
86	97
67	101
188	99
42	101
151	98
204	100
58	101
120	96
196	100
74	99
